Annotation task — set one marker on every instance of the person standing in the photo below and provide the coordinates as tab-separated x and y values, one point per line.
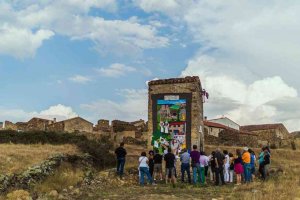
203	163
143	168
261	164
267	161
185	165
252	164
231	167
158	164
226	166
151	162
170	169
120	154
238	167
247	166
195	156
212	166
219	160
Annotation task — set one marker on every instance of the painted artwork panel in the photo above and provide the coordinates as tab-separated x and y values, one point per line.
171	125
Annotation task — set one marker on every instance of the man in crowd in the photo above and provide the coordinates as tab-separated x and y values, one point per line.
170	169
120	154
219	161
185	165
246	157
195	155
158	164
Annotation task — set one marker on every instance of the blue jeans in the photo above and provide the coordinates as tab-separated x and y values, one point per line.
185	167
120	166
247	172
143	171
196	174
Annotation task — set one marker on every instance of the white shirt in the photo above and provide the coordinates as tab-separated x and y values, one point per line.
227	159
143	161
203	161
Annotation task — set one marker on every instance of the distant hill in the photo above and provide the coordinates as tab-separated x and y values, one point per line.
296	134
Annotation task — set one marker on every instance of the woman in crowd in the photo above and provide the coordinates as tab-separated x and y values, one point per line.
144	169
151	162
203	162
238	167
261	164
226	166
231	167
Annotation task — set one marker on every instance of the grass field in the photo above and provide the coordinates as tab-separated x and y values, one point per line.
17	157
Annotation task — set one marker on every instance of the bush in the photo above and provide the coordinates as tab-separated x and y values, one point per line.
293	144
98	149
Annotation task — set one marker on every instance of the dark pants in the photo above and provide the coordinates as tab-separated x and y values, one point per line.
262	171
151	169
120	166
219	174
185	167
205	171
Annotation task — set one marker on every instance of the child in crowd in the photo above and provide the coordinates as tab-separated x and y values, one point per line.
238	167
226	166
231	167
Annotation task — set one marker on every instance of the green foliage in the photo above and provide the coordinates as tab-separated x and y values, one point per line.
98	149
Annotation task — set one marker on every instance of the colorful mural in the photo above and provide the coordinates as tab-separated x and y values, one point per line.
171	125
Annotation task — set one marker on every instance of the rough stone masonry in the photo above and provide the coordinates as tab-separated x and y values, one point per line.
188	88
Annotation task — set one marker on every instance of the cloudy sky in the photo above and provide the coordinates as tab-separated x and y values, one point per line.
93	57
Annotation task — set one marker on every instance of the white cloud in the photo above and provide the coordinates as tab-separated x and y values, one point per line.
80	79
21	42
260	101
132	107
71	18
115	70
59	111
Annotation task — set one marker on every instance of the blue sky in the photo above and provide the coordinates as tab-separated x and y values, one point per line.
93	57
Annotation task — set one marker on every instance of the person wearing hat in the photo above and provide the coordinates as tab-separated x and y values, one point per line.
246	157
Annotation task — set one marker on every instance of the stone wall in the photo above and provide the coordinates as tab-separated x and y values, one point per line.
119	126
37	124
77	124
102	125
233	137
187	85
56	127
10	126
236	138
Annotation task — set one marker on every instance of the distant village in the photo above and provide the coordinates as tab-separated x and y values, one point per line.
200	130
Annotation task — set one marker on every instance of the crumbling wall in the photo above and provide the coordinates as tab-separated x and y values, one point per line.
236	138
102	125
119	126
10	126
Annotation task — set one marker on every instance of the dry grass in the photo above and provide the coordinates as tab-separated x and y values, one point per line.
18	157
64	177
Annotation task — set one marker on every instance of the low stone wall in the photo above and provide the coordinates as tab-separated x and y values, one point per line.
39	172
232	138
236	138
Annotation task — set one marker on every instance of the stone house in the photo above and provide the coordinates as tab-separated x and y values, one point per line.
269	134
226	122
36	124
213	129
10	126
102	126
76	124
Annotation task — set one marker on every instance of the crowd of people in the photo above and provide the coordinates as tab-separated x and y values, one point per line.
219	167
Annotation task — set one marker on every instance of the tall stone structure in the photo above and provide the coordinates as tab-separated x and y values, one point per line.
175	113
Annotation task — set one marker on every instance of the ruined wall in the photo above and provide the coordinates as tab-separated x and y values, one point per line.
236	138
119	126
102	125
37	124
10	126
56	127
77	125
232	137
187	85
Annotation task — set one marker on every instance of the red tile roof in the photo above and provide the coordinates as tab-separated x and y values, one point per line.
216	125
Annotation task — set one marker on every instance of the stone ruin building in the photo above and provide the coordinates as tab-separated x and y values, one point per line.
175	113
